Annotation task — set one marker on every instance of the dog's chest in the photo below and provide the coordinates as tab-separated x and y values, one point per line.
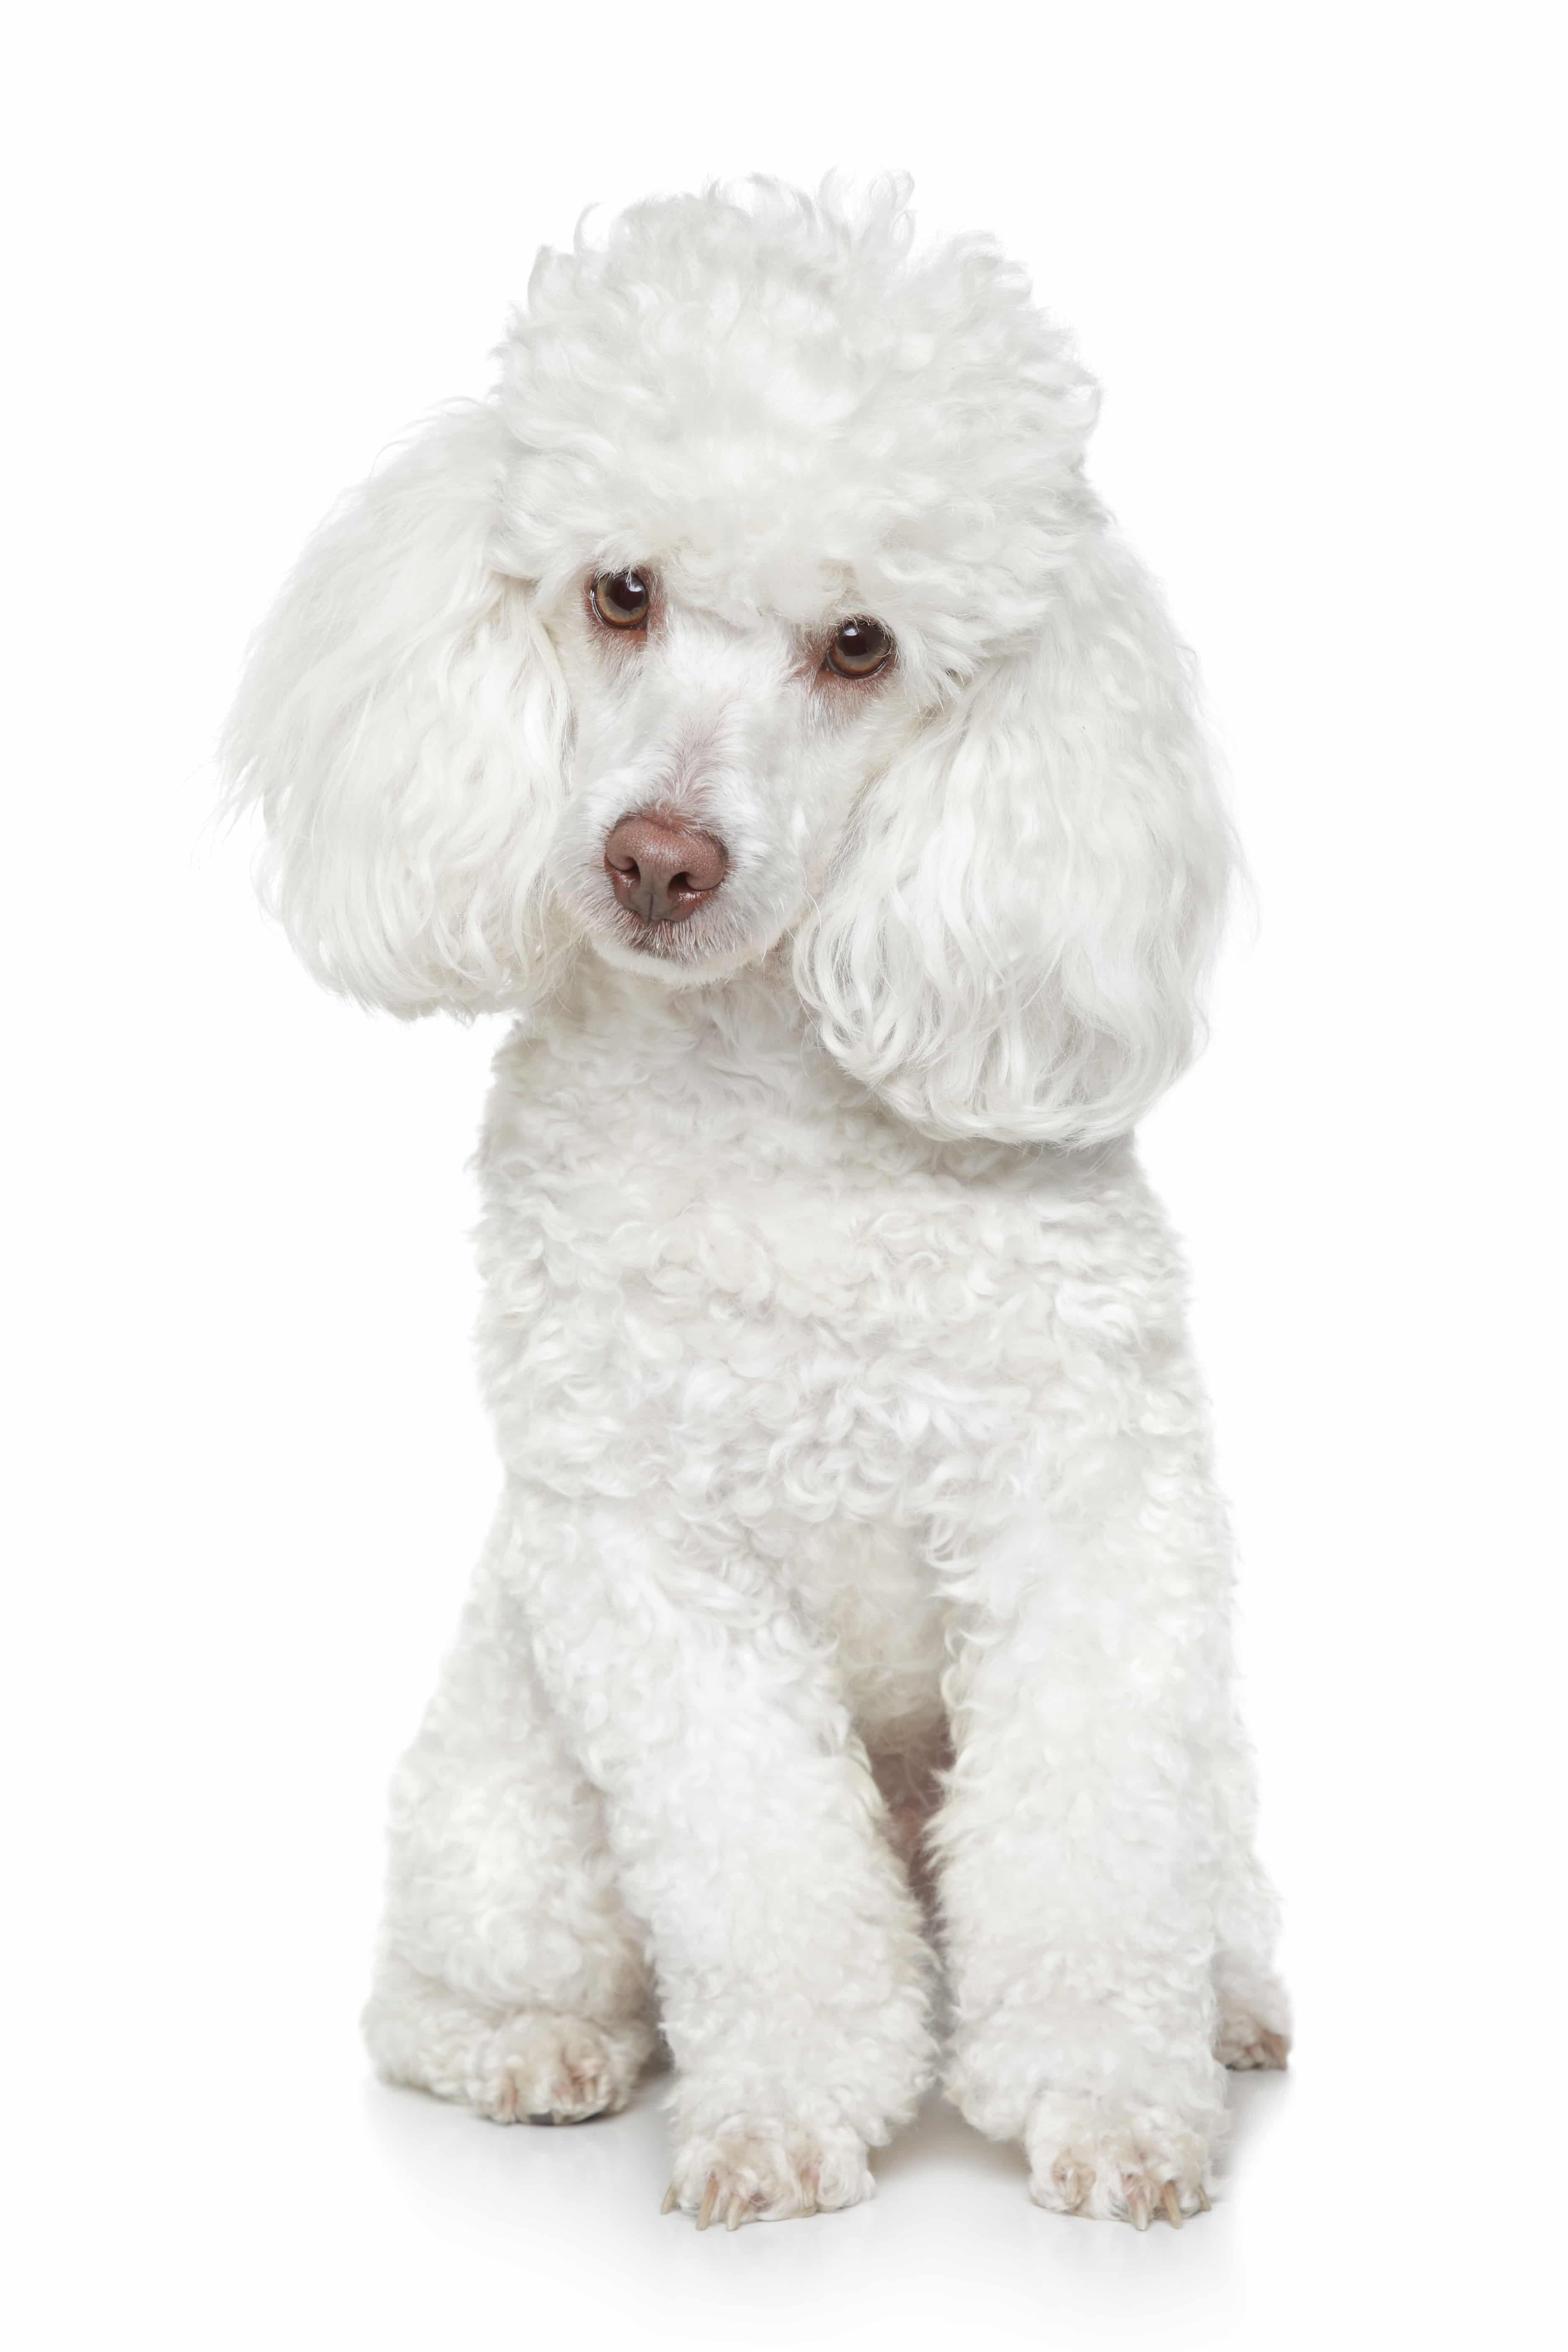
769	1242
804	1342
750	1261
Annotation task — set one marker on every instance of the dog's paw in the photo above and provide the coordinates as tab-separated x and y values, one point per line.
541	2068
1137	2169
767	2171
1243	2041
1254	2016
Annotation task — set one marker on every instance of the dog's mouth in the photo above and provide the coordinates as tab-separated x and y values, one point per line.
704	935
717	931
687	941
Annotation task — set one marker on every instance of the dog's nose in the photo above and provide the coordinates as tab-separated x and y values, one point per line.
661	870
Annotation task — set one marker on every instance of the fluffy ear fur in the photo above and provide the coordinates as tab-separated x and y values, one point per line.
399	724
1013	941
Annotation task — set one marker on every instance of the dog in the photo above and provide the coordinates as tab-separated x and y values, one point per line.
752	698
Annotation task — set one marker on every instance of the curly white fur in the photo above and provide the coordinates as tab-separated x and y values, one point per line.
856	1467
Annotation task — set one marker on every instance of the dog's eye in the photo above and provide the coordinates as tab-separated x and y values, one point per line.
860	649
621	599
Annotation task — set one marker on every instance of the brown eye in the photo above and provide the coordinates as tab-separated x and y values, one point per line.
621	599
860	649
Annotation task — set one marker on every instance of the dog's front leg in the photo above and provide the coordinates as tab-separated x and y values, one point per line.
748	1831
1081	1843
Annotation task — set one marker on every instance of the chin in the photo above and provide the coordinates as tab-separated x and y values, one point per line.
669	955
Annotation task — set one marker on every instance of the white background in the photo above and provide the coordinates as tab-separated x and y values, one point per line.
1310	252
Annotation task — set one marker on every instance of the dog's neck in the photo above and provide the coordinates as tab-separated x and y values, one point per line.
753	1015
653	1062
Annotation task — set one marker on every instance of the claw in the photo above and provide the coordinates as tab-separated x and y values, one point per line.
1172	2203
1137	2208
670	2200
736	2213
1072	2183
1202	2199
709	2199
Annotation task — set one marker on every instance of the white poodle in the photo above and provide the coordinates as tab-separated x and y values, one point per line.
753	698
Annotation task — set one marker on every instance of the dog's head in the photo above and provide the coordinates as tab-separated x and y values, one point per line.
763	610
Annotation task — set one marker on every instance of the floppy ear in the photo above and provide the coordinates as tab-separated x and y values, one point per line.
1013	941
399	724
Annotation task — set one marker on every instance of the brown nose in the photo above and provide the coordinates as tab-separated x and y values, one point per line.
661	870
